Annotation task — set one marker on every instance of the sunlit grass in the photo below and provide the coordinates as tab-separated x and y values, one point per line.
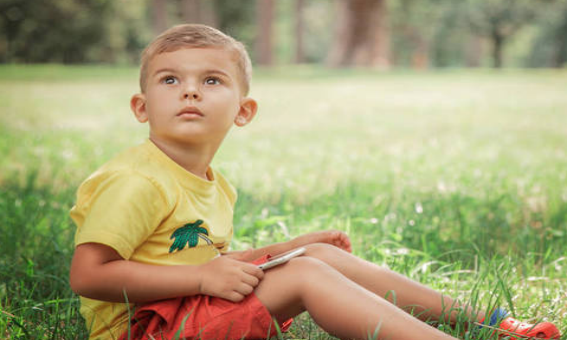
457	179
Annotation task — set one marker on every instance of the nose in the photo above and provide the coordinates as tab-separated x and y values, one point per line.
192	92
191	95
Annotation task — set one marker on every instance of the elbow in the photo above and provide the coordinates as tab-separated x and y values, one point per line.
82	283
84	286
89	276
90	285
77	283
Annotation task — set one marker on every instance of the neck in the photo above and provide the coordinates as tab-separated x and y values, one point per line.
193	158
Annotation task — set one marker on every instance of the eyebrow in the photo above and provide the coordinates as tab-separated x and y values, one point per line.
209	71
222	73
163	70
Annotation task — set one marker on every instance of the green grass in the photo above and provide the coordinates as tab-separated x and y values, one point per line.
457	179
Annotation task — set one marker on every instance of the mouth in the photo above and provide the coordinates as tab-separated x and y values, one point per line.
190	112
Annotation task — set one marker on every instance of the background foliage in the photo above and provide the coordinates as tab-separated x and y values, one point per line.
440	33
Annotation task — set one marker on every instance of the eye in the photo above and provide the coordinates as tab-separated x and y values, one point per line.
212	81
169	80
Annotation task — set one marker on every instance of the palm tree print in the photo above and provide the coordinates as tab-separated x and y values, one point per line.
189	234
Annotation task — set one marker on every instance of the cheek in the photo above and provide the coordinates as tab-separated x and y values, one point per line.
225	102
160	92
157	100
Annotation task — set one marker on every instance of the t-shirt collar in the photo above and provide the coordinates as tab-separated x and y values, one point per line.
185	178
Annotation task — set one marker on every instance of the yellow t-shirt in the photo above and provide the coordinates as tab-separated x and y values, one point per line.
150	210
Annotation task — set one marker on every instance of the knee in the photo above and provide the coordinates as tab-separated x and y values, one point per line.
306	268
323	251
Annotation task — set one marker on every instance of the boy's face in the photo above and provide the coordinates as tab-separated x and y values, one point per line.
193	96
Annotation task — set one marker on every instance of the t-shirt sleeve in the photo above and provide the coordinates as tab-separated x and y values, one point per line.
120	210
227	188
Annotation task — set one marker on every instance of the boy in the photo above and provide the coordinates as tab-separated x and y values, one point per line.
154	225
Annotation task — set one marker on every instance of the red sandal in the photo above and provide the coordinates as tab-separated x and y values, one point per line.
510	326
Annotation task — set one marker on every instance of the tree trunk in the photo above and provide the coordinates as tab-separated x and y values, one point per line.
299	24
264	42
420	47
381	53
473	51
198	12
420	54
560	55
159	16
362	34
342	44
497	46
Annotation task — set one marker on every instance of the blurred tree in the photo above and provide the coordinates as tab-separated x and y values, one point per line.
265	36
452	43
550	45
414	22
199	11
128	31
473	51
499	20
362	34
159	16
559	36
318	17
299	31
65	31
406	32
236	18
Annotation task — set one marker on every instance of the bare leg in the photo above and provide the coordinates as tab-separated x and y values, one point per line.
340	306
410	295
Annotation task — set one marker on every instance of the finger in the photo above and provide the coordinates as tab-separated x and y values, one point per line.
338	239
337	235
346	242
235	296
250	280
244	289
253	270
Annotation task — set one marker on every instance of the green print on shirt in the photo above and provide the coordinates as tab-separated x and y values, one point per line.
189	234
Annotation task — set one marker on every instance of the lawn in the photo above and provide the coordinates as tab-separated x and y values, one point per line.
457	179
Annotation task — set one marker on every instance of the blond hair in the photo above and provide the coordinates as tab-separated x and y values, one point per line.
196	36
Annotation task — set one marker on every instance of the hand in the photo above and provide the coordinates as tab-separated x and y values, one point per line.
229	278
334	237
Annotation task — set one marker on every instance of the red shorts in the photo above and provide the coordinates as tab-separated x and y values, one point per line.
205	317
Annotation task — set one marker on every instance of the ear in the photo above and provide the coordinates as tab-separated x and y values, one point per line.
247	112
138	106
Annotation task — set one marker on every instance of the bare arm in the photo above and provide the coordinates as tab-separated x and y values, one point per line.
272	249
98	272
334	237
